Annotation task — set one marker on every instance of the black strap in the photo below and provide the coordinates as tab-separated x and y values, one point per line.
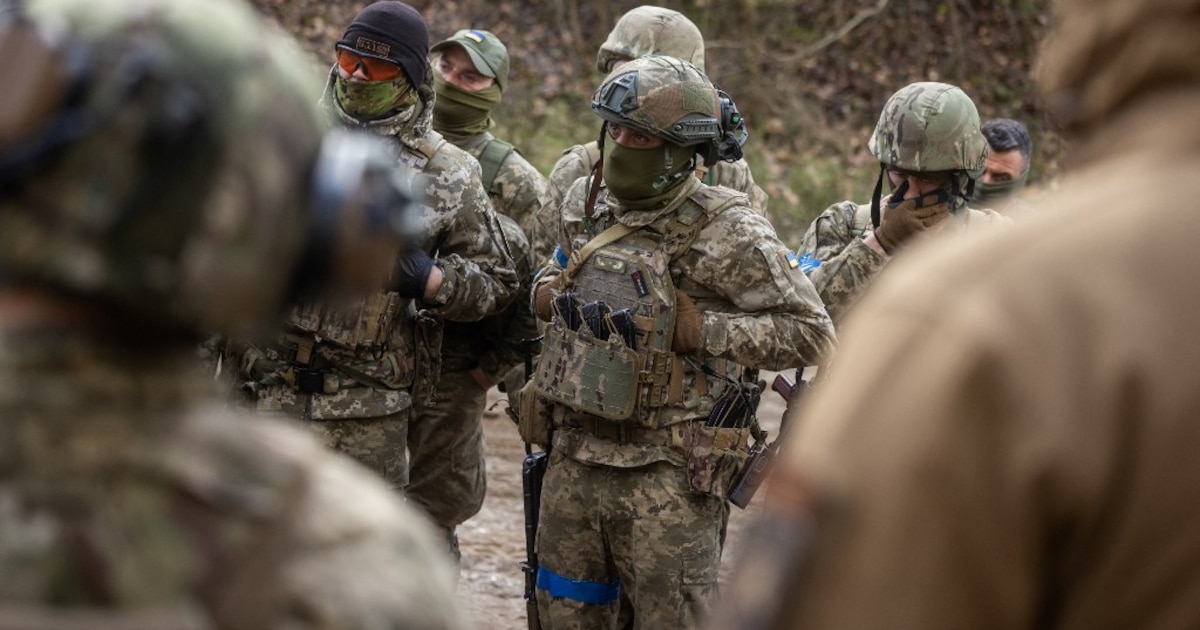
876	196
589	208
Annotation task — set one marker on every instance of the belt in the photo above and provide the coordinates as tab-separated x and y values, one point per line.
621	432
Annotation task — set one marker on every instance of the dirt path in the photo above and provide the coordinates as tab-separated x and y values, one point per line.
493	543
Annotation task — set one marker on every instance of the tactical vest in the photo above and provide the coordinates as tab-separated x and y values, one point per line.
648	385
382	341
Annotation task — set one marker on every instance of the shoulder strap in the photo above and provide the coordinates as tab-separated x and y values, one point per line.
683	228
493	155
614	233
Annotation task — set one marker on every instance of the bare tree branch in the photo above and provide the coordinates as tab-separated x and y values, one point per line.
850	25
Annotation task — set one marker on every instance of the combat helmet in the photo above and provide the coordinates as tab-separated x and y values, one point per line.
651	30
672	99
166	157
926	127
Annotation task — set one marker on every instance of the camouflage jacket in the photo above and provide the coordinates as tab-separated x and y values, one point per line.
516	189
460	223
495	344
759	310
577	162
460	230
841	265
128	498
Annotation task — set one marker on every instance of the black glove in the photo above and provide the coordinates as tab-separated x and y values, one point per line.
412	273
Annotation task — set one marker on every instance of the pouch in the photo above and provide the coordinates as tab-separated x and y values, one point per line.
715	458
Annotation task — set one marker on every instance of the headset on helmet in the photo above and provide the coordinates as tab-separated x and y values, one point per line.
671	99
185	178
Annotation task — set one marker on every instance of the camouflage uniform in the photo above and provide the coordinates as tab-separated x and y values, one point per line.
579	160
178	203
517	188
374	365
924	128
445	439
129	494
634	508
841	266
644	30
1007	439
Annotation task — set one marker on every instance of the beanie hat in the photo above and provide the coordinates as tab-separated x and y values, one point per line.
392	31
487	52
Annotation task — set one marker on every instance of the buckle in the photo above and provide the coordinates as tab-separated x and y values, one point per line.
310	381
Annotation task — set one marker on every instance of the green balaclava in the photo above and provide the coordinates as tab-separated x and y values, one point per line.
463	113
373	100
997	192
644	178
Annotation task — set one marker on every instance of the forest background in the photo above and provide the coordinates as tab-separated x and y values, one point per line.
810	77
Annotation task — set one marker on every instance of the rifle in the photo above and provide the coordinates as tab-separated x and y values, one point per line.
533	468
762	456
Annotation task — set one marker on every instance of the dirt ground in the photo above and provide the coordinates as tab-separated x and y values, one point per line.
493	544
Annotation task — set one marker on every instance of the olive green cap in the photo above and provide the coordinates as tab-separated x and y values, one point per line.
487	52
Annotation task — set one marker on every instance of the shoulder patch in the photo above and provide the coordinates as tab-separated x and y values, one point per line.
807	263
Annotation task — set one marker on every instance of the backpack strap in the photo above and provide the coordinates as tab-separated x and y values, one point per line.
493	155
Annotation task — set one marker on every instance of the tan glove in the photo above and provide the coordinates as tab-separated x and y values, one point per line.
543	297
689	323
900	222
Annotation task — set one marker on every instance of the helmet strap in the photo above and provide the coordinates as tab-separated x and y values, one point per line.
589	207
876	196
960	193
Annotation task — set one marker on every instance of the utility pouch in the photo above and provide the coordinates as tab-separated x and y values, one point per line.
596	376
534	420
715	457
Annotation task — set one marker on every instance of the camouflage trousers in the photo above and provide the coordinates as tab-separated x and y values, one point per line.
447	476
635	537
377	443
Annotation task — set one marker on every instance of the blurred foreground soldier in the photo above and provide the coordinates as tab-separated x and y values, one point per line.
360	375
163	174
1010	152
1008	438
645	30
673	290
930	153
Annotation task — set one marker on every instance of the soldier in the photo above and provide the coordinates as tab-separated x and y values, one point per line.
1008	436
930	153
358	375
448	469
472	68
1010	153
645	30
673	291
162	175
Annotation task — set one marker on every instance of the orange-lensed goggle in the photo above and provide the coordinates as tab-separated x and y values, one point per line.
375	69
